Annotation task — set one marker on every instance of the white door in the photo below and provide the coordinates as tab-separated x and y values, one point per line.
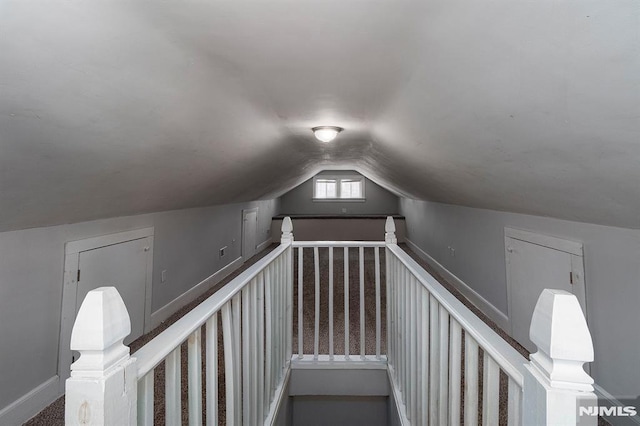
123	266
249	233
532	267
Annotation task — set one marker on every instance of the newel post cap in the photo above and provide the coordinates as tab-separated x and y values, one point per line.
390	231
559	330
287	230
101	325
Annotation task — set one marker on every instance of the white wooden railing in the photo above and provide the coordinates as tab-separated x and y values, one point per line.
426	338
255	312
339	255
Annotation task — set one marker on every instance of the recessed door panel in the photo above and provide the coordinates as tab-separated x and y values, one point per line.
123	266
249	233
532	268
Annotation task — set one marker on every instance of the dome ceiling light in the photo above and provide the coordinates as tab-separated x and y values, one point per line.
326	133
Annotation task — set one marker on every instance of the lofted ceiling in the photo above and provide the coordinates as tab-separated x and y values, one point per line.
113	107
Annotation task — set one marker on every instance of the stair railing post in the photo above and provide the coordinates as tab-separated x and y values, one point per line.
102	389
287	231
557	390
390	231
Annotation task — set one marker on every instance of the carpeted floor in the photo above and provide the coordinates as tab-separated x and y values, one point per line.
54	414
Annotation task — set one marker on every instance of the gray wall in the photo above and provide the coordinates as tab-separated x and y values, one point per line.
612	274
186	244
300	200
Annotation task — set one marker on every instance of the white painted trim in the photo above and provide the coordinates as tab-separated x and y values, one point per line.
69	288
263	245
613	401
279	395
339	362
474	297
192	294
397	398
106	240
30	403
571	247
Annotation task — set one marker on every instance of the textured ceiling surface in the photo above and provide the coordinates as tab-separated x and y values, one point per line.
110	108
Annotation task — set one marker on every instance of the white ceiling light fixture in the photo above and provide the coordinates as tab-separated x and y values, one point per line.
326	133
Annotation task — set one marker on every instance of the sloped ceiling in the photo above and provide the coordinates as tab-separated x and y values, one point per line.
111	108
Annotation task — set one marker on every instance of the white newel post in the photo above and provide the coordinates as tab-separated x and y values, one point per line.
390	231
556	384
287	231
102	386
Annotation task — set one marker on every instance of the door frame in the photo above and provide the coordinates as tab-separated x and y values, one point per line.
72	250
243	249
573	248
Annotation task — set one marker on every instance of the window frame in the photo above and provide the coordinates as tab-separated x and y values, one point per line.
338	179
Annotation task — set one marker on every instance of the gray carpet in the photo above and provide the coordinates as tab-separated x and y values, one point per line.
54	414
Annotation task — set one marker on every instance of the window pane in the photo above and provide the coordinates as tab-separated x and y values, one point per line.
350	188
332	189
326	188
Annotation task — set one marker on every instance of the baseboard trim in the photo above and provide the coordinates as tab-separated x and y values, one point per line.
31	403
190	295
480	302
263	245
612	401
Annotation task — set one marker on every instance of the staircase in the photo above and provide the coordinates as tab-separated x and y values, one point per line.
330	332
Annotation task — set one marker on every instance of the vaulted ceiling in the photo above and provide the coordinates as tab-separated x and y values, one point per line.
116	107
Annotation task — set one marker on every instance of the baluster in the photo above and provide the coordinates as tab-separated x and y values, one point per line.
514	403
289	297
413	347
194	371
455	373
228	335
282	313
268	386
378	319
396	320
246	357
389	303
362	324
211	353
434	361
316	338
300	325
278	338
490	391
145	399
424	343
346	302
406	344
444	365
470	380
173	411
253	349
331	303
236	309
260	351
419	373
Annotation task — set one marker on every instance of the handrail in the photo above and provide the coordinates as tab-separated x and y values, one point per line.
510	360
338	243
154	352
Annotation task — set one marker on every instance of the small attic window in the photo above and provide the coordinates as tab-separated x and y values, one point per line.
338	188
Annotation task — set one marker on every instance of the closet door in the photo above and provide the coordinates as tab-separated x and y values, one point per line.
536	262
123	266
